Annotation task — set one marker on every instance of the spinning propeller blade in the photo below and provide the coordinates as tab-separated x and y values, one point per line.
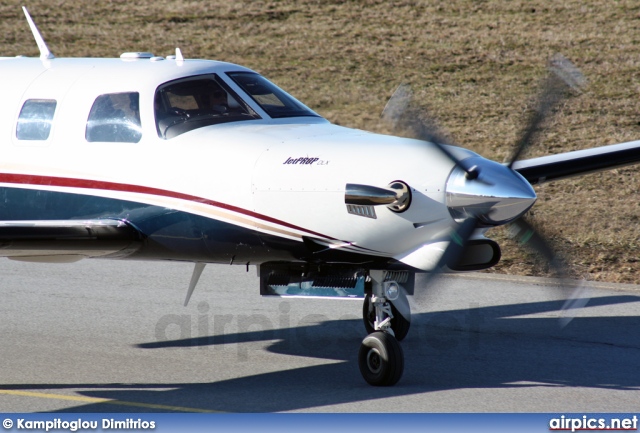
572	290
403	115
459	237
562	76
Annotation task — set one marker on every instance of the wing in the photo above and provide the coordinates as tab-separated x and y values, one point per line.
579	162
67	240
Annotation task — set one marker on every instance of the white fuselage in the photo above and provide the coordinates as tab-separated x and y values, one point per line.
284	177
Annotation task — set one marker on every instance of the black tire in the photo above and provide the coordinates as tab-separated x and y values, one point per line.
380	359
399	324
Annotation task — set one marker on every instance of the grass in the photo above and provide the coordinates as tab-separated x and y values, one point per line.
474	64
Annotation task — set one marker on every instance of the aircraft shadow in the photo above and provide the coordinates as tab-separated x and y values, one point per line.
483	347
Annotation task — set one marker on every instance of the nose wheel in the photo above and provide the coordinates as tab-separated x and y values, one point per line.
380	359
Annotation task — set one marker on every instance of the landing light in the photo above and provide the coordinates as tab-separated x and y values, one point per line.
391	290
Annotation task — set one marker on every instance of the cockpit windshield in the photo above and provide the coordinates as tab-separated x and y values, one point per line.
273	100
184	105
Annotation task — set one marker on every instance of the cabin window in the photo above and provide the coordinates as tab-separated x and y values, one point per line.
115	117
188	104
36	117
275	101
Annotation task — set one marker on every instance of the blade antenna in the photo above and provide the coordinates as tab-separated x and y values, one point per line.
45	53
179	57
197	271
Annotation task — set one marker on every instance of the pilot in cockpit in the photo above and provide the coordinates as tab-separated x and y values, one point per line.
214	99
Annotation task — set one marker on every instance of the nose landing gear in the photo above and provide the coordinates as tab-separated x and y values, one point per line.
380	358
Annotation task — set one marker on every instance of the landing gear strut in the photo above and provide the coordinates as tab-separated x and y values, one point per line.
380	359
399	324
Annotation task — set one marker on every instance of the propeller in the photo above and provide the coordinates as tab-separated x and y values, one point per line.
562	76
404	115
573	290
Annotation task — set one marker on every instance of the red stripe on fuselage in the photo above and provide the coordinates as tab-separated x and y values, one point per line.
68	182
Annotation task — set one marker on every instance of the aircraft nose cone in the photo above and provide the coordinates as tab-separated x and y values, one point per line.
497	196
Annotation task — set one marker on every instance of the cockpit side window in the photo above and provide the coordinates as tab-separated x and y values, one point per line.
36	117
275	101
187	104
115	117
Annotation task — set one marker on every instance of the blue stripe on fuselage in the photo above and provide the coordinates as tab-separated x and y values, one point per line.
169	234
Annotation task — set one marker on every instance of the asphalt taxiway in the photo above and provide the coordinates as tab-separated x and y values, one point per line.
113	336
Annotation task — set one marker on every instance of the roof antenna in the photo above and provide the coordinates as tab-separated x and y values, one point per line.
42	46
179	58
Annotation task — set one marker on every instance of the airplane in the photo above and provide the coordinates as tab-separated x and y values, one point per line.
144	157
